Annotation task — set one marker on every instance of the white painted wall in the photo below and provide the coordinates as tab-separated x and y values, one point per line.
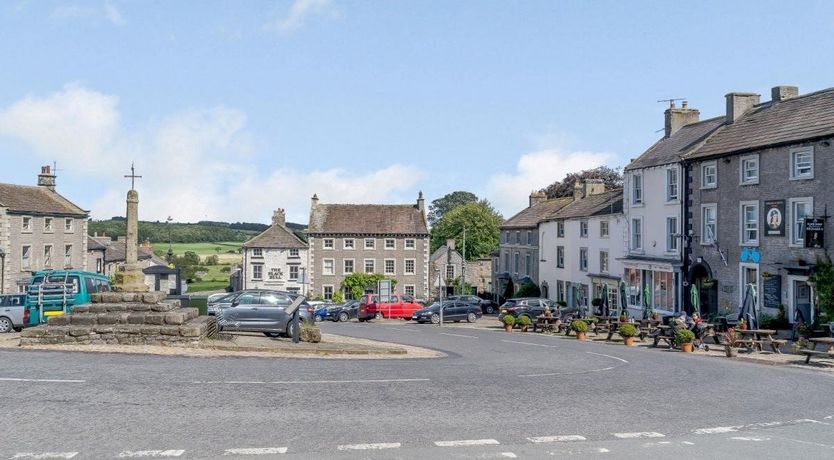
654	210
274	259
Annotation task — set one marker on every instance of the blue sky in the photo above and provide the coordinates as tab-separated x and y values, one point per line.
232	109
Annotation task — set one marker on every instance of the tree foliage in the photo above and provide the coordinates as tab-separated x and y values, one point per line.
439	207
359	282
610	176
205	231
482	224
824	286
528	290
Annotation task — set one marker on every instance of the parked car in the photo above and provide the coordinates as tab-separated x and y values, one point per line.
54	293
344	313
13	313
260	310
373	306
323	311
453	310
487	306
215	302
528	306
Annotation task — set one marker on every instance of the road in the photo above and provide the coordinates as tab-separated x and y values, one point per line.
496	395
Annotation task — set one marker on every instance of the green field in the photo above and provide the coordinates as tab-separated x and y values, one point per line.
214	279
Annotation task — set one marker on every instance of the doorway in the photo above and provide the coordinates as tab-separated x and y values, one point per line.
701	276
801	307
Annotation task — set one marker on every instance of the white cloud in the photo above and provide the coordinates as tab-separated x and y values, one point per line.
106	11
113	14
510	192
196	165
300	11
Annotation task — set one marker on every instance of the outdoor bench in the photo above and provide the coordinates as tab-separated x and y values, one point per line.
808	353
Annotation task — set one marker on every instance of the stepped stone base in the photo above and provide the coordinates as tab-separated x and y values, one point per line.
124	318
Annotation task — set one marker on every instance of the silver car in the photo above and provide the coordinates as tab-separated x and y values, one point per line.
215	302
11	312
266	311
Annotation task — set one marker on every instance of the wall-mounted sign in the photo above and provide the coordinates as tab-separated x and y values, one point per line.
774	217
814	233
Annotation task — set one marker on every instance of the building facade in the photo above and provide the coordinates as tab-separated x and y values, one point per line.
391	240
39	230
446	266
275	259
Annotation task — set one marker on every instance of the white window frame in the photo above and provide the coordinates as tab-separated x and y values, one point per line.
529	238
637	189
385	270
560	229
410	244
450	267
413	266
67	255
258	277
704	166
324	289
410	289
48	226
293	253
583	228
290	275
670	173
372	244
607	232
257	253
560	257
606	259
636	244
25	261
344	268
742	216
349	246
742	179
47	255
328	244
393	246
365	265
672	234
705	239
26	224
69	225
583	259
324	270
743	286
793	241
792	155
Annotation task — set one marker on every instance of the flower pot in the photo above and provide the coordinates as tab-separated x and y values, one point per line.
686	347
730	352
508	327
580	335
742	327
524	328
629	341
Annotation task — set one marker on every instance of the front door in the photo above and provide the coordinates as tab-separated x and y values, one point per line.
801	300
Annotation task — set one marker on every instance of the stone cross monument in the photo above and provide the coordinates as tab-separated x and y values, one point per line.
132	278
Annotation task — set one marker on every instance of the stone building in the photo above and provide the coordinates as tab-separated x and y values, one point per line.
106	256
392	240
275	259
754	187
448	263
39	229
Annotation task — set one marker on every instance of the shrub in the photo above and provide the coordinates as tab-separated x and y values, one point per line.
627	330
508	320
685	336
562	303
766	321
592	319
528	290
523	321
579	326
804	329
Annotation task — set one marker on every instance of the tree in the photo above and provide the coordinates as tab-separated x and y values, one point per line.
611	177
482	229
439	207
359	282
338	297
212	260
528	290
823	281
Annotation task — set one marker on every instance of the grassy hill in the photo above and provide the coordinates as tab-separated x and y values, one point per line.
200	232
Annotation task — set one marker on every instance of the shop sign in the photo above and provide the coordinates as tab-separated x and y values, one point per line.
814	233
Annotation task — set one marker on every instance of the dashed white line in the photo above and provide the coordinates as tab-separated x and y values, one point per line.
687	443
753	426
749	438
467	443
508	455
531	344
256	451
459	335
588	371
44	455
302	382
150	453
607	356
564	438
8	379
717	430
370	446
642	434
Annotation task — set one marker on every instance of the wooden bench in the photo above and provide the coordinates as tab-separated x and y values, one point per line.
775	344
808	353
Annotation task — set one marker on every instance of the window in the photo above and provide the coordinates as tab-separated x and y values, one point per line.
603	229
518	237
327	292
47	255
560	257
634	278
327	266
68	225
348	243
257	252
294	253
583	229
410	244
257	272
293	273
516	263
636	234
27	224
507	262
709	175
709	229
801	208
390	243
750	223
506	237
560	229
47	224
749	170
390	267
370	265
583	259
637	189
671	184
67	255
802	163
370	243
410	266
671	234
529	237
328	243
527	266
347	266
603	261
450	271
409	289
663	291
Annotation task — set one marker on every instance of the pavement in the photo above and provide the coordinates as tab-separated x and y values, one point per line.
494	395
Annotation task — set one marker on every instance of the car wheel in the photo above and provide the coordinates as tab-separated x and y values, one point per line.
289	329
317	318
378	315
435	319
5	325
344	317
272	334
470	318
490	309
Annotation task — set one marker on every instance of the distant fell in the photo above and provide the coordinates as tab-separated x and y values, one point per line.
200	232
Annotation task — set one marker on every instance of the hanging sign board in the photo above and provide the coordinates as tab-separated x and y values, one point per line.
814	233
774	216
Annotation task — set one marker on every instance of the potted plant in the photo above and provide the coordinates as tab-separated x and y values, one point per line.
730	338
562	303
708	283
509	322
655	316
624	317
524	322
591	319
580	327
627	332
742	324
684	338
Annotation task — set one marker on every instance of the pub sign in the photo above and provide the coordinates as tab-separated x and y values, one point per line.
814	233
774	216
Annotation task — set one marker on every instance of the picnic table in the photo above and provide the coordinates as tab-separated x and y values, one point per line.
754	338
809	352
546	323
823	340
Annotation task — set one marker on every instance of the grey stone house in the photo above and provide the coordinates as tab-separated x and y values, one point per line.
752	187
392	240
448	263
275	259
39	229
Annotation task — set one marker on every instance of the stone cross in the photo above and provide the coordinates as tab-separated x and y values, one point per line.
133	177
133	280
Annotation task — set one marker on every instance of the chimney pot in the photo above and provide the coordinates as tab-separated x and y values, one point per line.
783	93
676	119
740	103
537	197
450	243
46	178
279	217
421	202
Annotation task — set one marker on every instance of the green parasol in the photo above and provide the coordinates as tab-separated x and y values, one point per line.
693	292
647	308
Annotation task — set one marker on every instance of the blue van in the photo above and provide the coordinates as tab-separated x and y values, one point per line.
54	293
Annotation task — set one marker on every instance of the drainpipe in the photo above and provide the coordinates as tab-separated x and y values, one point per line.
686	238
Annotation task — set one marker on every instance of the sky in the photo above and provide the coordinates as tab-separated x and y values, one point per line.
232	109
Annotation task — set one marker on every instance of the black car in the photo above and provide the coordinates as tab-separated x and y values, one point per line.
488	307
455	311
528	306
344	313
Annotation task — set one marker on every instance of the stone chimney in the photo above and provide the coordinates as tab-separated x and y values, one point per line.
314	201
279	217
537	197
421	202
783	93
450	243
594	187
46	178
677	118
739	103
578	191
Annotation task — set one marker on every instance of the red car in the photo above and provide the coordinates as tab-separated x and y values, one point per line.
373	306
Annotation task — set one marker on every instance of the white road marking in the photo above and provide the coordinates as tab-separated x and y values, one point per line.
467	443
8	379
151	453
508	455
607	356
749	438
642	434
45	455
567	373
531	344
753	426
302	382
370	446
687	443
403	328
564	438
717	430
459	335
256	451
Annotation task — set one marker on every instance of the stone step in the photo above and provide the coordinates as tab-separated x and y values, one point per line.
167	305
193	329
125	297
177	316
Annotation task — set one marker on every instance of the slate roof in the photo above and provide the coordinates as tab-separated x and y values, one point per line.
669	150
773	123
610	202
532	215
93	244
276	236
441	252
367	219
114	251
37	200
